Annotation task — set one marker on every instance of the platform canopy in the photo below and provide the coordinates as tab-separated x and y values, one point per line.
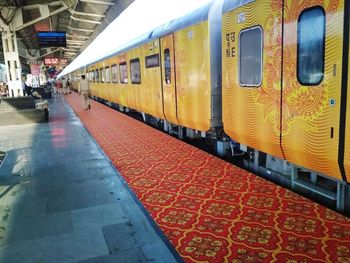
80	20
139	18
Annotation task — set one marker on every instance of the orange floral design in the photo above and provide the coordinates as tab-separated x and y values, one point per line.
303	102
170	186
187	203
300	225
260	201
144	182
206	246
338	232
299	208
257	216
296	245
254	235
343	254
232	185
181	177
159	198
213	225
245	255
196	191
220	209
173	217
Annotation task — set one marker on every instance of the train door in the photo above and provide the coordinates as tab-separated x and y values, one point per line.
312	73
168	78
252	59
346	90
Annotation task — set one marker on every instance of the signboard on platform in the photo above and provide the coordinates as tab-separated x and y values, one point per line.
55	61
51	39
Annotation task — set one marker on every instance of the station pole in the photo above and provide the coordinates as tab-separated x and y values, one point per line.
12	62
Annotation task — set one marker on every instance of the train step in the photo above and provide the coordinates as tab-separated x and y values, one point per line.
317	189
337	195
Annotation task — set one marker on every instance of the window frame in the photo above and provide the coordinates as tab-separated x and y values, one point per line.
165	67
120	72
97	75
262	56
108	70
323	42
117	71
150	57
135	60
102	75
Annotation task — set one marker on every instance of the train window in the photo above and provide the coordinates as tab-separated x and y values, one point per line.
108	74
152	61
115	73
103	75
135	71
250	57
123	73
311	46
167	66
97	76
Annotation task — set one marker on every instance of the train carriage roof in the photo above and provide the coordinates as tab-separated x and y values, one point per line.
192	18
233	4
189	19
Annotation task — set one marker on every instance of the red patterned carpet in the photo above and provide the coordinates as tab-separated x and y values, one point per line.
210	210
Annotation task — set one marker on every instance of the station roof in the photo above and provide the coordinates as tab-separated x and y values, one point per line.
82	20
125	30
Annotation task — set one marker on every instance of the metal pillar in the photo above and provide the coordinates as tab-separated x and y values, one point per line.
12	62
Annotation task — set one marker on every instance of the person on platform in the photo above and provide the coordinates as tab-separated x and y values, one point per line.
27	90
3	90
68	87
59	86
24	85
64	86
84	91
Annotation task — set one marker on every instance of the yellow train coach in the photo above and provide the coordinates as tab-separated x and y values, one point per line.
266	79
285	71
172	73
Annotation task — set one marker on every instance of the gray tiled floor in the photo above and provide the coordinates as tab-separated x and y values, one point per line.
62	201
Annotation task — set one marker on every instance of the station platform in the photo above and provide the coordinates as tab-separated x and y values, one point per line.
211	210
61	200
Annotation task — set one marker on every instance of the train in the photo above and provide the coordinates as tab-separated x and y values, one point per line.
263	77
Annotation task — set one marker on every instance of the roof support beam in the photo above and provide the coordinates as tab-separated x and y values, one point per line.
74	45
97	2
44	13
75	41
85	20
81	29
71	49
28	7
77	36
49	52
73	12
